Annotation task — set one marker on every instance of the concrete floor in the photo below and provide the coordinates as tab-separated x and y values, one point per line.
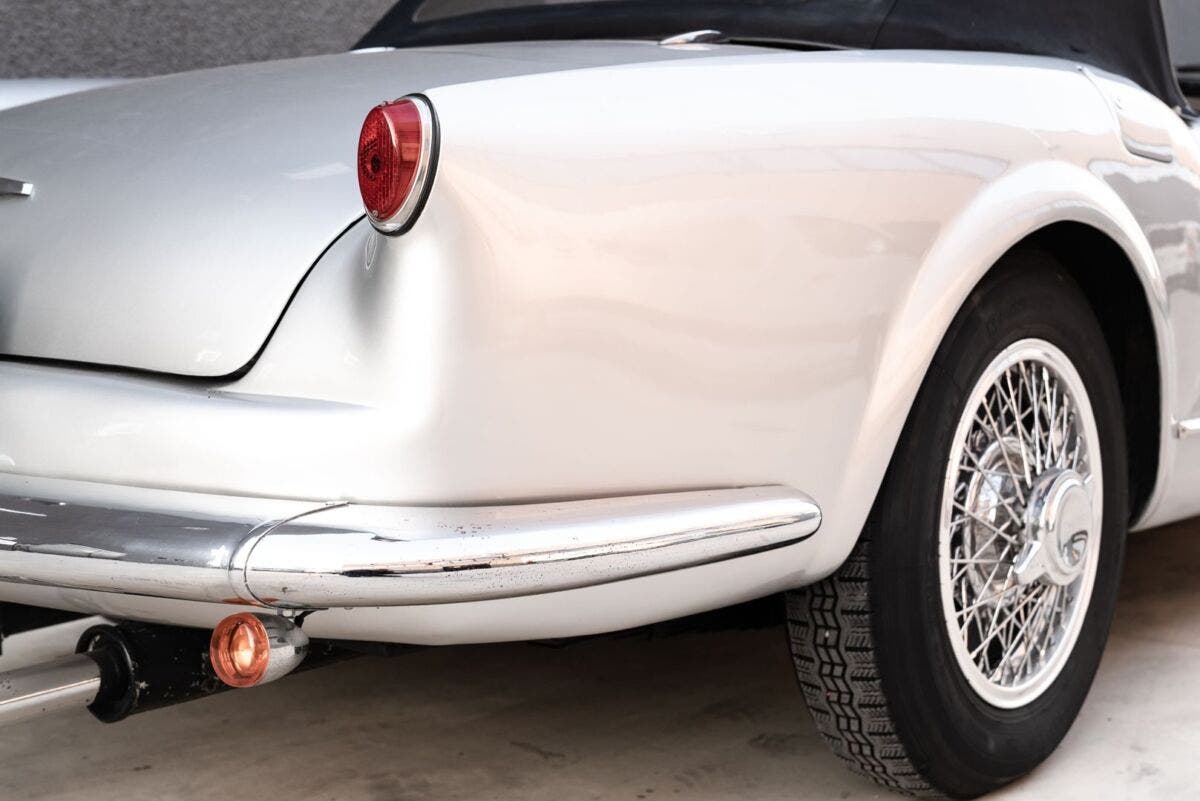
713	715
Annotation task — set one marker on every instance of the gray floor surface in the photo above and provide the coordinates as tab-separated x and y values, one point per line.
699	716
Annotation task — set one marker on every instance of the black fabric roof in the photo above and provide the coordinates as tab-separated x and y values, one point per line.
1123	36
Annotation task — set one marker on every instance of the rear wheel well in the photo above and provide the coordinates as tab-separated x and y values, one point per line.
1118	299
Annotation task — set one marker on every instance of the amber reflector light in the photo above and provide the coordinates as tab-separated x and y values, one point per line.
389	151
239	650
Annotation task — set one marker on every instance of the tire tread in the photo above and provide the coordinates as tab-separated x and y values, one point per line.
829	627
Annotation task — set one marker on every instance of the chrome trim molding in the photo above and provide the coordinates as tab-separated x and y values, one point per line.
403	219
11	187
704	36
1160	153
351	555
1187	428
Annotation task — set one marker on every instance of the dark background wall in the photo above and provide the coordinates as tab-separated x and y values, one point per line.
47	38
50	38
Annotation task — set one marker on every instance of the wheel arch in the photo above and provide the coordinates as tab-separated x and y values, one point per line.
1078	218
1071	213
1110	281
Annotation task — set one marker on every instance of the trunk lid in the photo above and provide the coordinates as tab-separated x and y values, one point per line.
172	218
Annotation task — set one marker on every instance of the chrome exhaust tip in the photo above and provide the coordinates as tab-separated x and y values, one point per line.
30	692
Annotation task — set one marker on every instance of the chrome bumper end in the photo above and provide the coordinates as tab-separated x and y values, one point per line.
345	555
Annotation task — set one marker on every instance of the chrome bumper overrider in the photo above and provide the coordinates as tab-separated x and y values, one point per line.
350	555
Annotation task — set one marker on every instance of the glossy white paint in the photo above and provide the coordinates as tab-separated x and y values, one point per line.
725	271
1162	194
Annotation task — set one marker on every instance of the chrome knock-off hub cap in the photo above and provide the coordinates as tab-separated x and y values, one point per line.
1020	523
1058	525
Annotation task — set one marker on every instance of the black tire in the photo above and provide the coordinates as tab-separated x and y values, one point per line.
871	648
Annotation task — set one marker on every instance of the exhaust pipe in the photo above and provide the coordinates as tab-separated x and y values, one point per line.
144	667
67	683
129	668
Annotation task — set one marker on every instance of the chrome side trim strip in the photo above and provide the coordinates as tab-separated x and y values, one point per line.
8	186
1187	428
352	555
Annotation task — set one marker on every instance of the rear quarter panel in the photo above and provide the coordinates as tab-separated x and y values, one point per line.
728	272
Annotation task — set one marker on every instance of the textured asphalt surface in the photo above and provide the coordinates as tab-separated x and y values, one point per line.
53	38
712	716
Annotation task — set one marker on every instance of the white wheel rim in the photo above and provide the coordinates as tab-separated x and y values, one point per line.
1021	515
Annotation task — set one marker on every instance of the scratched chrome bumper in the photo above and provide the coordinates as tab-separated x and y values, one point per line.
295	556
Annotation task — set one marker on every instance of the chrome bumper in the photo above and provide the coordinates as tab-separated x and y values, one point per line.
351	555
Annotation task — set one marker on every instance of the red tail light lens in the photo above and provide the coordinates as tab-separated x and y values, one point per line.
394	156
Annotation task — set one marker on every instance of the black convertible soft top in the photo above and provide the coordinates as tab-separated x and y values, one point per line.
1123	36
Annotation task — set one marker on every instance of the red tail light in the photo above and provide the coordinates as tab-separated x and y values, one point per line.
395	158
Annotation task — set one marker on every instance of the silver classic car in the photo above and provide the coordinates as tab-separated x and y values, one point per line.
536	320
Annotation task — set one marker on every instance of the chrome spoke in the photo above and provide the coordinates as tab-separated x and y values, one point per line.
1010	614
1018	637
987	409
1016	518
1011	402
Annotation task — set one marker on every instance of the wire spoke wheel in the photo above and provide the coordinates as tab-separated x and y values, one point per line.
953	649
1020	523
